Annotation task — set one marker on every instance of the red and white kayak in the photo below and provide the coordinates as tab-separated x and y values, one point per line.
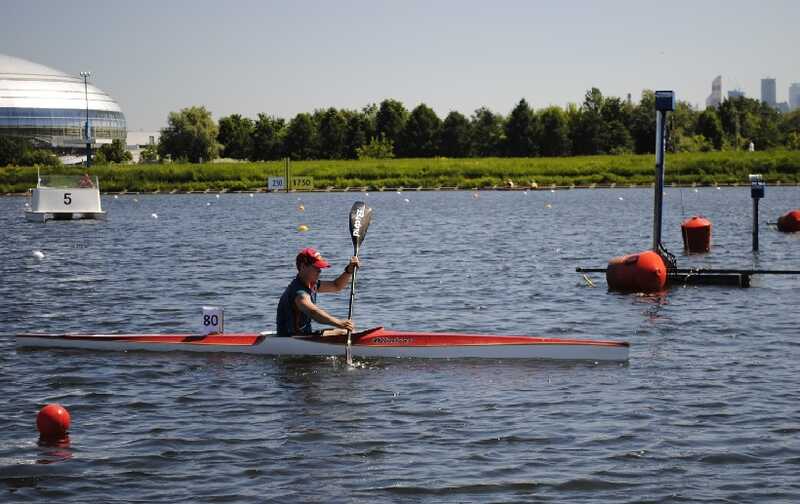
376	342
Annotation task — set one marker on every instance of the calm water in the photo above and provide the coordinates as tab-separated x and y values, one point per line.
707	409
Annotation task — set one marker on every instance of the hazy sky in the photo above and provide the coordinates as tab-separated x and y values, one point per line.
283	58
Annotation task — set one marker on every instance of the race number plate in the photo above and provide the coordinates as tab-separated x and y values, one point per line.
213	320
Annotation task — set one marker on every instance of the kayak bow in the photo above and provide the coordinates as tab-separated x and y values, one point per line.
376	342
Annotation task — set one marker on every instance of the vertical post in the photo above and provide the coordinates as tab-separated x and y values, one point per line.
756	192
85	76
658	200
286	172
755	224
665	102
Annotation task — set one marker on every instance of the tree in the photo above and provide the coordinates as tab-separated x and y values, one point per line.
455	138
487	133
301	137
421	133
521	131
709	125
149	154
554	137
267	141
587	130
390	120
643	124
20	151
114	152
376	149
360	127
191	134
332	135
236	136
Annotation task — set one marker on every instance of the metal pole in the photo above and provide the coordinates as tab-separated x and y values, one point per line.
85	76
755	224
659	186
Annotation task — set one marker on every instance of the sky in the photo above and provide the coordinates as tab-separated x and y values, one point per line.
284	58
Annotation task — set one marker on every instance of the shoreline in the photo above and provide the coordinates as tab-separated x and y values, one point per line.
363	189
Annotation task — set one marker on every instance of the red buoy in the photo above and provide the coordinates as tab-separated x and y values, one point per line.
642	272
696	233
789	222
53	421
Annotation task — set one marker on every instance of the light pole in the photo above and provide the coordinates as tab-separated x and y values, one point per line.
86	76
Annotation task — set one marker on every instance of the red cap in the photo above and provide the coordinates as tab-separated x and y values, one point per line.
313	257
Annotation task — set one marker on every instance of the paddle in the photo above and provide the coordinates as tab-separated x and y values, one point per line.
360	216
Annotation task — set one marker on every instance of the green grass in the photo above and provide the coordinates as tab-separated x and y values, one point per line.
686	168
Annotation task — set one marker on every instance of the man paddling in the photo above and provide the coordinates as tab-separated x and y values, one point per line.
297	306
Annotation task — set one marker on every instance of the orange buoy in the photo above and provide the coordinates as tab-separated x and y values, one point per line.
642	272
53	421
789	222
696	233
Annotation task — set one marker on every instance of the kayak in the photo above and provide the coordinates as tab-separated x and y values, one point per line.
375	342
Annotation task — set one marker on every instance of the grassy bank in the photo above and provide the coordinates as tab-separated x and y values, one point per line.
699	168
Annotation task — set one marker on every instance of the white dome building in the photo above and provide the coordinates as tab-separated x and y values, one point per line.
49	106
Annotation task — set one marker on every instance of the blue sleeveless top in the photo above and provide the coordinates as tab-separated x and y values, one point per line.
289	319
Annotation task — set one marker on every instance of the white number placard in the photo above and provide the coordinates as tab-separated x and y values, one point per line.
213	320
276	184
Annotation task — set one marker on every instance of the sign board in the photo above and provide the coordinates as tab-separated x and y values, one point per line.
302	183
213	320
276	184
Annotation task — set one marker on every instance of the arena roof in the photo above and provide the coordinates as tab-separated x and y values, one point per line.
24	84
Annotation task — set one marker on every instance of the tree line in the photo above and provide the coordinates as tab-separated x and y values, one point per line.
599	125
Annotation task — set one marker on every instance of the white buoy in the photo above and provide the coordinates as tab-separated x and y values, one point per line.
398	192
135	200
251	195
38	254
405	199
116	197
154	215
695	190
217	196
621	199
208	203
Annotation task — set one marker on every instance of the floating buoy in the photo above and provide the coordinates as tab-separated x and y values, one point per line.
301	207
406	200
476	195
154	215
251	195
217	196
696	232
53	421
642	272
620	198
548	205
789	222
116	197
302	228
38	254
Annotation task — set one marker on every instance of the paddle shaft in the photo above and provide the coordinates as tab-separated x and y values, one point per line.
352	289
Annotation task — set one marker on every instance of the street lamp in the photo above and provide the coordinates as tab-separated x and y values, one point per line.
86	76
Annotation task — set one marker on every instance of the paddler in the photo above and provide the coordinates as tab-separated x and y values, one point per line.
298	307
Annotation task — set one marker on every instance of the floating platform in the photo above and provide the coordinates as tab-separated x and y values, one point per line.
708	276
65	197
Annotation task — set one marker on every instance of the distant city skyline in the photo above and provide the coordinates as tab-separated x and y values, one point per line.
251	57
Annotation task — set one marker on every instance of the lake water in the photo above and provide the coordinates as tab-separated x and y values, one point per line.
707	409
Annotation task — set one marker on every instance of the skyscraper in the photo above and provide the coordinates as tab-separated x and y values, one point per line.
794	96
768	91
715	98
735	93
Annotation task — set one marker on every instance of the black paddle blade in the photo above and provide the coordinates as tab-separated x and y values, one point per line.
360	216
